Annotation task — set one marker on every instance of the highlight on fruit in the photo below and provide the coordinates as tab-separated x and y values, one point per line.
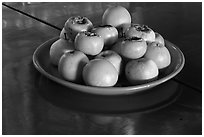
100	55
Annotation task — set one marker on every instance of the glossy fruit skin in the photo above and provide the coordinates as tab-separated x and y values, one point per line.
133	48
100	73
108	33
116	16
136	30
77	24
71	65
64	34
117	46
159	54
113	58
133	31
159	38
89	43
58	48
141	70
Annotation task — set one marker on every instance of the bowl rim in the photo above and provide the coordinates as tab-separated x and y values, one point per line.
103	90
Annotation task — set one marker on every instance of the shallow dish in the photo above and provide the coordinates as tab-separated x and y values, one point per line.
43	65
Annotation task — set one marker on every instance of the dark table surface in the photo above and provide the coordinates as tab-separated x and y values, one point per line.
26	111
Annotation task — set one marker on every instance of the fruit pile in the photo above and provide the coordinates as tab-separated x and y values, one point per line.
99	55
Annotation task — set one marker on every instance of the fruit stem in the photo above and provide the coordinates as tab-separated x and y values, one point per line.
133	38
104	26
91	34
80	20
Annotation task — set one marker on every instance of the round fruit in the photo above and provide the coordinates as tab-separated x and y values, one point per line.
112	57
141	70
144	32
88	42
77	24
58	48
116	16
64	35
71	65
159	54
117	46
100	73
133	48
159	38
133	31
108	33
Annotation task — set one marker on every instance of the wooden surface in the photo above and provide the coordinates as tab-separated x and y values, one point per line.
25	111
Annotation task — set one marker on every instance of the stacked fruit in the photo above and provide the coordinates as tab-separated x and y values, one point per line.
98	56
